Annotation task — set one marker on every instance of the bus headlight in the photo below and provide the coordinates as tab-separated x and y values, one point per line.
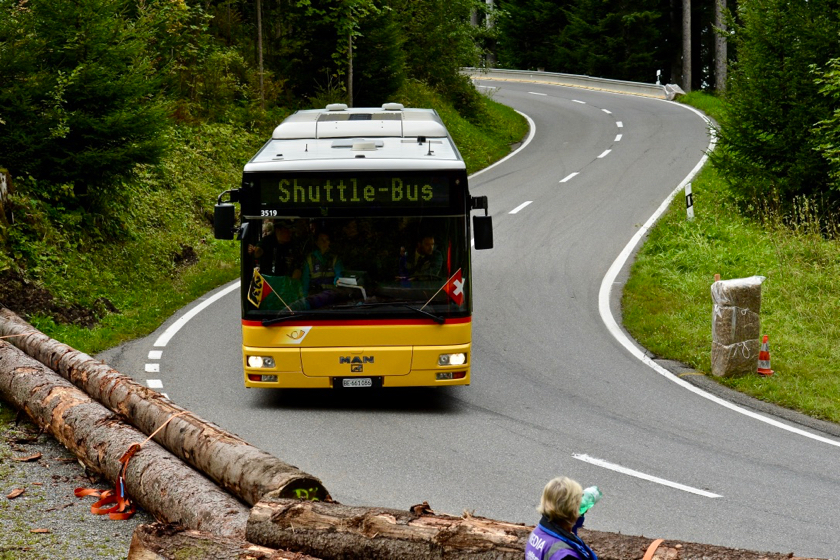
260	362
458	359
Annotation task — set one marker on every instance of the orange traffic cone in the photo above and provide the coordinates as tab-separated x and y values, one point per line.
764	358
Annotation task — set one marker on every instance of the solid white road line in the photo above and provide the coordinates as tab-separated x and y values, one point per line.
643	476
617	138
618	334
154	384
520	207
533	130
152	368
603	155
167	335
568	177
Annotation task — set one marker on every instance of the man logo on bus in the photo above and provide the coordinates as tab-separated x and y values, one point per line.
355	360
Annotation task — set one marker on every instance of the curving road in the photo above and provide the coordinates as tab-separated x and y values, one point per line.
554	392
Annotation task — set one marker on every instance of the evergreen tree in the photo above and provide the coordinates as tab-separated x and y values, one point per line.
437	42
528	33
379	61
79	98
829	129
620	40
769	147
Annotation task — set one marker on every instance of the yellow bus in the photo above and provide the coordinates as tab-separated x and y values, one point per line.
355	248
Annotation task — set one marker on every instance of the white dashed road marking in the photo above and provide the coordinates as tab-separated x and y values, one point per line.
643	476
569	177
520	207
619	124
154	384
152	368
603	155
618	137
535	93
155	354
607	111
578	101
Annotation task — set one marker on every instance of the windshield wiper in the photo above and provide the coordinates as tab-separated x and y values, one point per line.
275	320
361	305
437	318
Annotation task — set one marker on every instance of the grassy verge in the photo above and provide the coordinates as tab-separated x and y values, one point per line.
166	256
667	303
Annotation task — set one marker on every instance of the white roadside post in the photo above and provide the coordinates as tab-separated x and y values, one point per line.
689	202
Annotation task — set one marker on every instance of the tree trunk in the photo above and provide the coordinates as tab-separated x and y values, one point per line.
333	531
336	531
260	53
720	46
157	481
491	44
686	50
159	541
350	70
675	26
5	190
240	468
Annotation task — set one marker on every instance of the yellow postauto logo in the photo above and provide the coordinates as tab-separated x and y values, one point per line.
294	335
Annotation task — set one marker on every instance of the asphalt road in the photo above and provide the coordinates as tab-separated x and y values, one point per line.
553	390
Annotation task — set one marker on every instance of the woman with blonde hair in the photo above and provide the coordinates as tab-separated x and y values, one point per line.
555	537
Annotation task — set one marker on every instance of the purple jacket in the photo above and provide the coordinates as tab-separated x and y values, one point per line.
540	543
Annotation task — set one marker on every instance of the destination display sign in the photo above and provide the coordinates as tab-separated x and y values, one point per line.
383	190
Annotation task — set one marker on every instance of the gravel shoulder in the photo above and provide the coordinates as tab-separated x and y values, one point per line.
69	529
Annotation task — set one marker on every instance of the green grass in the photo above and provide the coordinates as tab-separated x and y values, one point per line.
667	302
709	104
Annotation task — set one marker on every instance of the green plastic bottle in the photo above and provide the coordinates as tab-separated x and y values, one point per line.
591	496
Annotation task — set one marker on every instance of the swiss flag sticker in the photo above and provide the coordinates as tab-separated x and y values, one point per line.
455	288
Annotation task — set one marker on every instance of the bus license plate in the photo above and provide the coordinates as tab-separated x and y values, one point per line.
357	382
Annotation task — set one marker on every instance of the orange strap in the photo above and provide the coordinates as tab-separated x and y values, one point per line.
652	548
122	507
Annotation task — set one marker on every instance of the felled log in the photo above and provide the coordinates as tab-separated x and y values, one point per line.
615	546
334	531
160	483
240	468
160	541
337	531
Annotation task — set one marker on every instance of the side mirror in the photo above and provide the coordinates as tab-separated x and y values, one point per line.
224	220
483	232
482	225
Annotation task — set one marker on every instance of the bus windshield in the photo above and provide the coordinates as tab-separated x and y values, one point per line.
355	268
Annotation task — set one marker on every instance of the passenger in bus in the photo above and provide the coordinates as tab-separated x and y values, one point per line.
555	536
354	247
321	267
425	262
275	252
